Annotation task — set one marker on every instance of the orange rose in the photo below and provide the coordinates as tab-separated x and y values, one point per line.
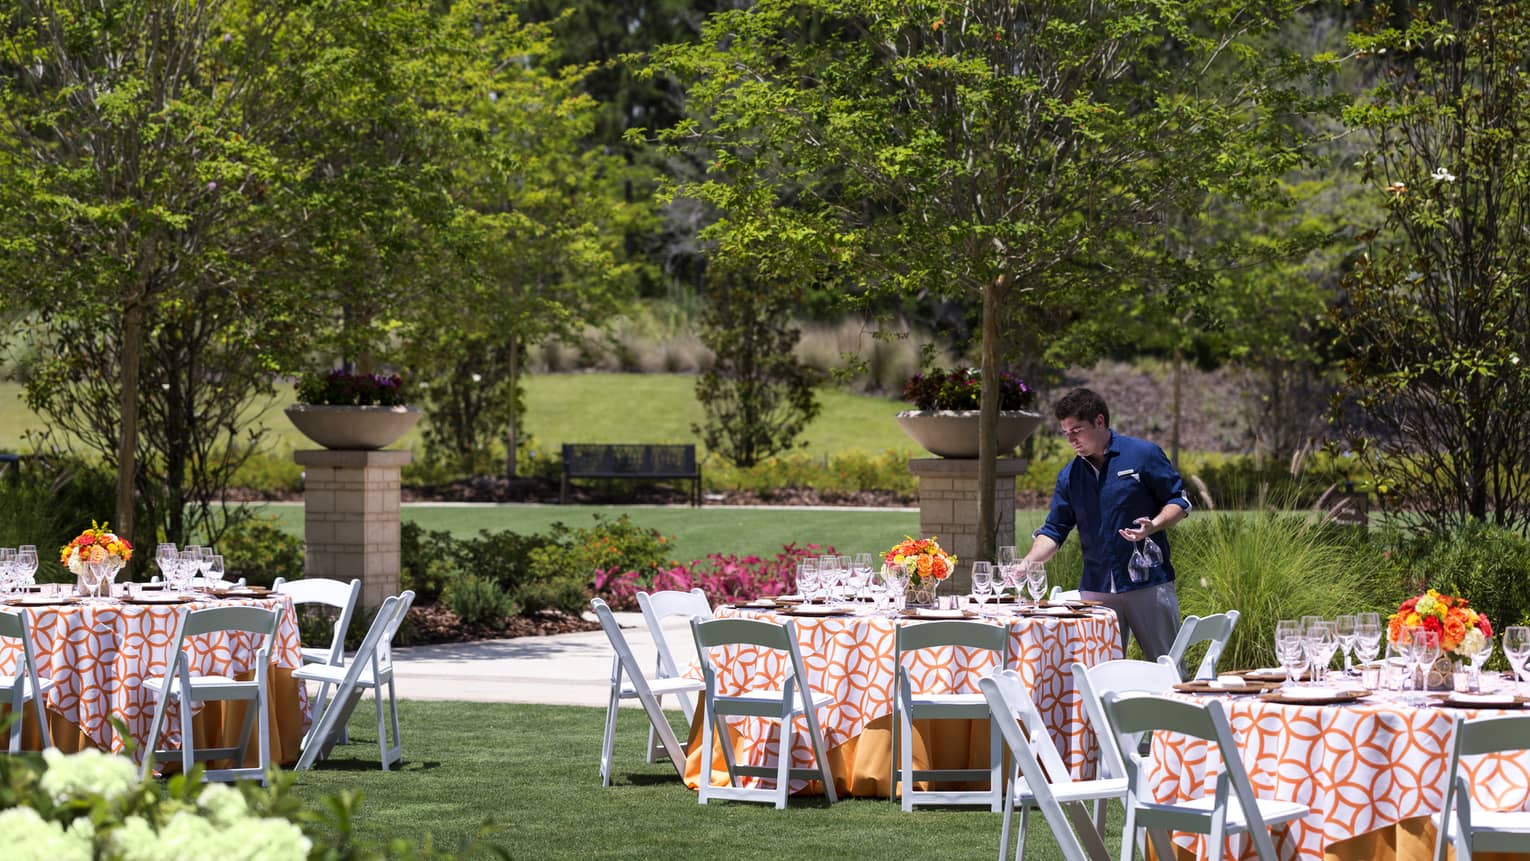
941	569
1394	629
1455	631
926	566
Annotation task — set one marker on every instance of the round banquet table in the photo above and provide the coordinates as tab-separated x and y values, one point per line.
851	658
1371	771
99	651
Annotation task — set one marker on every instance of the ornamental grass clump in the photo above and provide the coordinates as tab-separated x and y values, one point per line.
1267	565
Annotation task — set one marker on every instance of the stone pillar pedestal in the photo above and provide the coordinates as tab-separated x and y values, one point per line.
948	508
351	518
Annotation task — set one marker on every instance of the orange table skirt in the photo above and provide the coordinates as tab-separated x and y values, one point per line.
1408	840
216	725
862	767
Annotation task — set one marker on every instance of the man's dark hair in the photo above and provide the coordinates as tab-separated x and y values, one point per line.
1082	404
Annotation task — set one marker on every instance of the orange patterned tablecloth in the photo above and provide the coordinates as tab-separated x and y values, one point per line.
1362	769
851	658
99	652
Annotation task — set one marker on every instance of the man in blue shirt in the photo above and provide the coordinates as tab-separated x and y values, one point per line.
1120	492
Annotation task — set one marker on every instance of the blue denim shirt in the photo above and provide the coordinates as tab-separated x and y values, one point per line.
1136	481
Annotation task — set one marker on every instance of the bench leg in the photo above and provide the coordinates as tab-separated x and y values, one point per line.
563	490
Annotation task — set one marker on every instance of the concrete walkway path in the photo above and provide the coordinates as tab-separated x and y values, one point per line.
563	669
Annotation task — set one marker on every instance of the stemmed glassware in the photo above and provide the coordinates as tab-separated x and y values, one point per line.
7	569
896	577
1036	581
1367	636
1289	648
1144	559
1477	659
1516	648
1344	631
1320	643
1005	568
807	578
864	570
1421	647
982	583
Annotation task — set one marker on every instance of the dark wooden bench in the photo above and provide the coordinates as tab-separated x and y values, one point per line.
642	460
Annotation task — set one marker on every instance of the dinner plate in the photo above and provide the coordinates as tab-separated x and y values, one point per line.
1321	696
1480	701
1213	686
816	610
242	593
42	600
760	604
1270	674
1052	613
928	613
151	600
789	599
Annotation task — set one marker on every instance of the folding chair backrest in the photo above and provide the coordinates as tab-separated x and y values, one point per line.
1008	699
624	657
742	632
1131	715
1120	676
1215	630
659	606
1492	734
383	655
331	593
253	620
13	625
971	635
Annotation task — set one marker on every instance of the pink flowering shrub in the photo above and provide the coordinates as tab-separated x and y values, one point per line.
724	579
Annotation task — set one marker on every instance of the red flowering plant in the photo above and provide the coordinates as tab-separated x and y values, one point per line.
1462	630
961	389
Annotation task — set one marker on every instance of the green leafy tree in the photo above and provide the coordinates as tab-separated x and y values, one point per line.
757	396
1436	315
186	191
1012	155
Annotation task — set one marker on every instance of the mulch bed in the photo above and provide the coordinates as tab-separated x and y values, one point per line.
437	624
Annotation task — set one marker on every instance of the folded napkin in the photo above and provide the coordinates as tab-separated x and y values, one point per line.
1228	683
1316	693
1484	699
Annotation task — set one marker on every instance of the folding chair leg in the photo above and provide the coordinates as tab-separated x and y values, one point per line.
18	714
906	731
396	750
996	766
156	726
1025	817
265	733
784	760
382	730
42	721
704	788
188	739
609	741
1004	828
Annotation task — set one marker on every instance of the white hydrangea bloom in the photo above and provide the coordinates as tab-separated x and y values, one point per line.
135	840
1472	643
74	775
26	836
266	840
223	804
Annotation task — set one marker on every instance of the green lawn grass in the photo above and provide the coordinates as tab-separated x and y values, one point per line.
697	531
533	771
584	408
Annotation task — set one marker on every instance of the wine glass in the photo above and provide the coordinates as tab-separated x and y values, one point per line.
1320	643
215	571
1478	658
1036	581
1425	650
1344	631
165	556
1367	637
863	569
982	583
897	582
1288	648
807	578
1516	648
26	563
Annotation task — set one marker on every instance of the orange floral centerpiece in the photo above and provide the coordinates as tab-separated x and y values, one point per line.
926	564
1463	631
96	544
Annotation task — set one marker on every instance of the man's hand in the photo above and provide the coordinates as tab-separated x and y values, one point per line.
1144	528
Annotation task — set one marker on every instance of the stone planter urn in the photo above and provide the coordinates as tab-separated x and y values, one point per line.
353	428
954	433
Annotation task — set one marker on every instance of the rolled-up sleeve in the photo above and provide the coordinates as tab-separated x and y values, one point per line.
1060	519
1168	487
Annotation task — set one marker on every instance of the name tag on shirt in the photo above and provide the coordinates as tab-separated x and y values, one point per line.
1128	473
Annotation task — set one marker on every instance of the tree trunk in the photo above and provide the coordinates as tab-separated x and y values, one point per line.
1179	406
988	422
127	434
512	428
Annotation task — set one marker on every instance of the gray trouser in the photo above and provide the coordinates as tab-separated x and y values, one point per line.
1151	614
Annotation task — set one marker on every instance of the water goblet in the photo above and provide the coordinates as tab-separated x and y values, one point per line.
1344	631
1036	581
1320	643
1288	648
863	568
1367	639
1477	659
1516	648
164	556
982	583
807	578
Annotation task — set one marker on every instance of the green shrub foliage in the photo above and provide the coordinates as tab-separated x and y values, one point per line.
477	601
259	551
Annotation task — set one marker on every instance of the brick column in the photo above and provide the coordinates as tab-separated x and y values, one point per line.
948	508
351	518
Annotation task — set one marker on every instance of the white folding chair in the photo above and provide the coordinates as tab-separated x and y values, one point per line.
1058	593
1461	822
794	699
657	607
1214	631
369	669
341	596
1120	676
629	682
24	684
909	707
1231	808
1039	778
180	685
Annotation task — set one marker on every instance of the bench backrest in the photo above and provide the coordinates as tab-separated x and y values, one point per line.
600	460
